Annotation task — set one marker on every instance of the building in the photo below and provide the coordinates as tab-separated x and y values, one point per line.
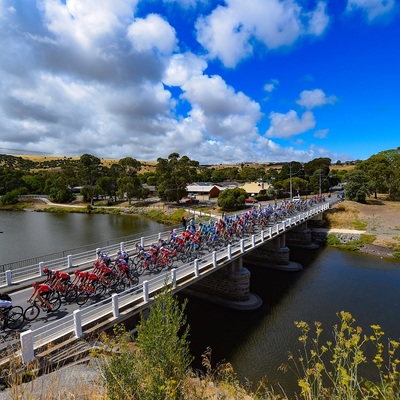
204	190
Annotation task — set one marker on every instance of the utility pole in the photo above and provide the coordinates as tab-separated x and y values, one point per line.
290	180
320	174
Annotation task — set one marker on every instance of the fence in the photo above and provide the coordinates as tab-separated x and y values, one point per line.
136	298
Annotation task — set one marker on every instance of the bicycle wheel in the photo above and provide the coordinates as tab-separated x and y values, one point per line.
55	301
119	286
140	267
70	294
100	290
14	318
134	278
82	297
31	313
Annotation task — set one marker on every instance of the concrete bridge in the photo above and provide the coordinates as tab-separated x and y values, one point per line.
218	276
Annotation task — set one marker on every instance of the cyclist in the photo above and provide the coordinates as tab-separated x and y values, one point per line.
123	269
56	275
41	292
5	302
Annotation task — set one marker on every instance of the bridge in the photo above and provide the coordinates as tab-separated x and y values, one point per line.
218	275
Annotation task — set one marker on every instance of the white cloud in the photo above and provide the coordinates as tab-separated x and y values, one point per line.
227	32
321	133
152	32
289	124
223	36
315	98
187	3
271	86
85	21
183	67
227	114
372	8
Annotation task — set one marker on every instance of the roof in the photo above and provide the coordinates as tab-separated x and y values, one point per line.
201	189
254	187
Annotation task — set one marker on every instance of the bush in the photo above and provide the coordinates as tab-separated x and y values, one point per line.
331	370
9	198
156	366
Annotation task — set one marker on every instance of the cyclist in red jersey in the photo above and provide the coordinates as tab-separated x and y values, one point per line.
41	292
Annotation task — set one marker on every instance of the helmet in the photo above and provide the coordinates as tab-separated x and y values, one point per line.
35	284
119	252
45	270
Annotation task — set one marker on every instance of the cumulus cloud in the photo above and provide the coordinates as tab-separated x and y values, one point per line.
289	124
183	67
371	8
315	98
152	33
271	86
229	31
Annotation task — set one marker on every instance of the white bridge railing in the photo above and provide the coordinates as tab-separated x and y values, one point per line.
83	259
135	299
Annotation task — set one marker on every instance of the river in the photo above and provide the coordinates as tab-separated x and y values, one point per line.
256	342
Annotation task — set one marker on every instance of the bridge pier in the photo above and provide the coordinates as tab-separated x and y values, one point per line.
273	254
229	287
300	236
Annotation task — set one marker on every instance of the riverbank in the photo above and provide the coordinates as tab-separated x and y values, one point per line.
377	221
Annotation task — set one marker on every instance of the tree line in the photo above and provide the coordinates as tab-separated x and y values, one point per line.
125	179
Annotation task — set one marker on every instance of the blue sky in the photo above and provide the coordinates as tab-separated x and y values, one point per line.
218	81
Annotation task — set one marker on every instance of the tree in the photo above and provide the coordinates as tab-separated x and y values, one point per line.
358	186
319	181
89	170
175	174
232	199
249	174
322	163
58	189
383	170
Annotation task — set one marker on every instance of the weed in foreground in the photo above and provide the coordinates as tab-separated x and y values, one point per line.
331	370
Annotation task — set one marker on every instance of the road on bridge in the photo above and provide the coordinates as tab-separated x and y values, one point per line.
20	298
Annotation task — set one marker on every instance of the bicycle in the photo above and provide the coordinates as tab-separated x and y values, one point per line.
12	317
33	311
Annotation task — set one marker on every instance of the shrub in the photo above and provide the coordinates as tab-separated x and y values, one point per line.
156	366
331	370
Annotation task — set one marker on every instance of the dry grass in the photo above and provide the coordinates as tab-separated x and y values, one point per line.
377	217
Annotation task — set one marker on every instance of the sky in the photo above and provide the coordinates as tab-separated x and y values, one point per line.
218	81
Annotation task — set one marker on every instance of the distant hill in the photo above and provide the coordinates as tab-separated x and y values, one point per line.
29	162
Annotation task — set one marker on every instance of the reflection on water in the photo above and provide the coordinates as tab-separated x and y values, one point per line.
258	342
31	234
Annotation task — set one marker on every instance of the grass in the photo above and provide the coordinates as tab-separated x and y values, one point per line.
352	245
345	217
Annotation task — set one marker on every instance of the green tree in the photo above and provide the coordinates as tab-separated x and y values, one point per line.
9	198
249	174
90	171
358	186
175	174
318	164
58	189
319	181
10	179
232	199
383	170
155	368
